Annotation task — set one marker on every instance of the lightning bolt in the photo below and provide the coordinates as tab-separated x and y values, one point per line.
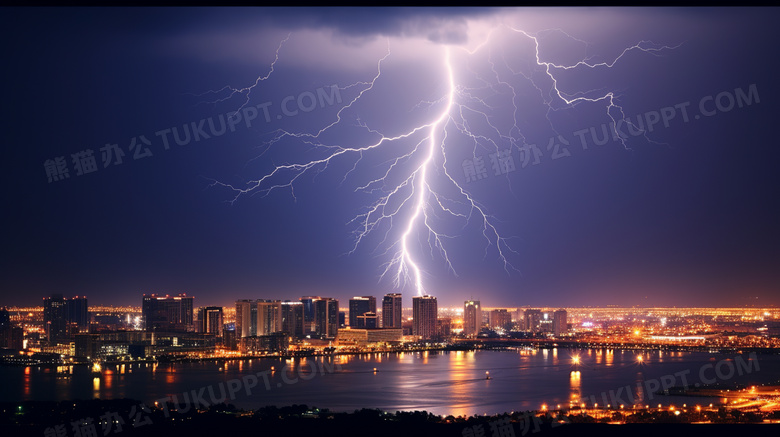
609	97
420	158
230	91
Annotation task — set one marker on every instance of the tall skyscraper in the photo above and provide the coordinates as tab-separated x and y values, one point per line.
210	320
78	311
391	310
54	316
326	311
166	313
533	320
560	326
246	318
360	305
424	316
309	314
59	312
269	316
229	339
472	317
292	319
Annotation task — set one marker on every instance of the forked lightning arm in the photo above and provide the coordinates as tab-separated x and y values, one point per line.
413	201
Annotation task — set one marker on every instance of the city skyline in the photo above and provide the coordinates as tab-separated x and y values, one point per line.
406	305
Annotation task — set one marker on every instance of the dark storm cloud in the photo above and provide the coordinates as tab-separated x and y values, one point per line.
442	25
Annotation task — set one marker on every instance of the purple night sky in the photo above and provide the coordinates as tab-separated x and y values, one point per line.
685	213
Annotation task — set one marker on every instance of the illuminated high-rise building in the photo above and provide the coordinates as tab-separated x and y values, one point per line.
269	316
391	310
210	320
424	316
360	305
246	318
78	311
259	317
229	339
533	320
560	324
309	314
167	313
59	314
472	317
326	317
500	319
54	316
292	319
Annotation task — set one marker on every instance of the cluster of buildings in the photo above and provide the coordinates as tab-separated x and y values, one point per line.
316	320
534	321
174	326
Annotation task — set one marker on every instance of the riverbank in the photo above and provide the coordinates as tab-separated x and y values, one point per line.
128	417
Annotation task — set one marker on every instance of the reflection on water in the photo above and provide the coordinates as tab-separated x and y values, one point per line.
574	387
459	362
108	379
440	382
26	382
639	393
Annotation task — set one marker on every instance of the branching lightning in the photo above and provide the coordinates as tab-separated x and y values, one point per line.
415	205
230	91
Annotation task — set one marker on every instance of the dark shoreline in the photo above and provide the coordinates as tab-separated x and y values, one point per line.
42	417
